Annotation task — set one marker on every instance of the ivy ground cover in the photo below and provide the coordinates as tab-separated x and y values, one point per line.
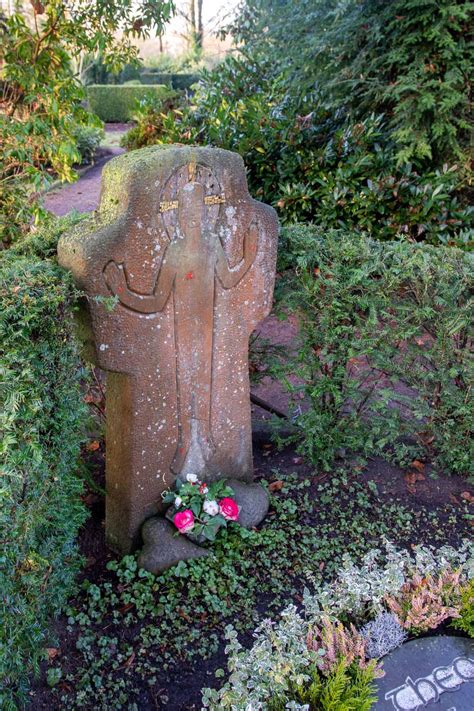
132	640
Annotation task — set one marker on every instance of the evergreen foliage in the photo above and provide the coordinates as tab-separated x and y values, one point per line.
383	357
42	423
465	621
408	59
344	689
350	114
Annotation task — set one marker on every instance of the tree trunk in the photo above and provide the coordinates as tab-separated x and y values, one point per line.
192	34
200	32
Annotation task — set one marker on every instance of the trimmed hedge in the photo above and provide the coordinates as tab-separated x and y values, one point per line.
42	419
117	103
176	81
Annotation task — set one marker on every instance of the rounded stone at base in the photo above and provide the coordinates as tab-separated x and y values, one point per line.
163	548
253	502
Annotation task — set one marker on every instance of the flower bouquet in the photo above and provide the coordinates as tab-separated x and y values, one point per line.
198	509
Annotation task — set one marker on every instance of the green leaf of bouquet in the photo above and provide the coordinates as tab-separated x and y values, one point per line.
195	507
209	533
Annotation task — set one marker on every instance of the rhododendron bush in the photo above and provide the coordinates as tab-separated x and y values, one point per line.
198	509
334	644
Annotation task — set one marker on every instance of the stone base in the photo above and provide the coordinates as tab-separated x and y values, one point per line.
253	501
163	548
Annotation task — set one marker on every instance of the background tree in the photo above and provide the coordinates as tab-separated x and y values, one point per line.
41	97
192	14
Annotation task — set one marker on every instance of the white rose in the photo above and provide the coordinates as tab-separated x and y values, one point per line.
211	507
191	478
178	501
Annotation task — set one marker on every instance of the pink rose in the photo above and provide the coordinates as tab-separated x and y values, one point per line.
229	509
184	520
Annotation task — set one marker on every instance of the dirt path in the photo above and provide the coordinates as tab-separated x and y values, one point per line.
83	195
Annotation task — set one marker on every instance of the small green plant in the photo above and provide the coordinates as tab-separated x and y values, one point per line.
149	116
465	621
53	676
344	689
88	140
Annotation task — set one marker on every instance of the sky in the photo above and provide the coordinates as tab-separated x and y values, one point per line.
211	8
216	13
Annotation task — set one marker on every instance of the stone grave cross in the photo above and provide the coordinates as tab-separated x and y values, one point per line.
178	267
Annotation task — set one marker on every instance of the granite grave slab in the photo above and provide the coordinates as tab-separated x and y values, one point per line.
433	673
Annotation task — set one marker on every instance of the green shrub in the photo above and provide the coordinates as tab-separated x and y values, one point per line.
149	116
116	103
345	688
88	140
383	357
42	95
408	59
311	165
176	81
465	621
42	423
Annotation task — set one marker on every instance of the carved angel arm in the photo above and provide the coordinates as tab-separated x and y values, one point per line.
230	277
116	280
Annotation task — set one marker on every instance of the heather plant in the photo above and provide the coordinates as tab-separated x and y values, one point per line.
382	361
425	601
362	588
335	644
